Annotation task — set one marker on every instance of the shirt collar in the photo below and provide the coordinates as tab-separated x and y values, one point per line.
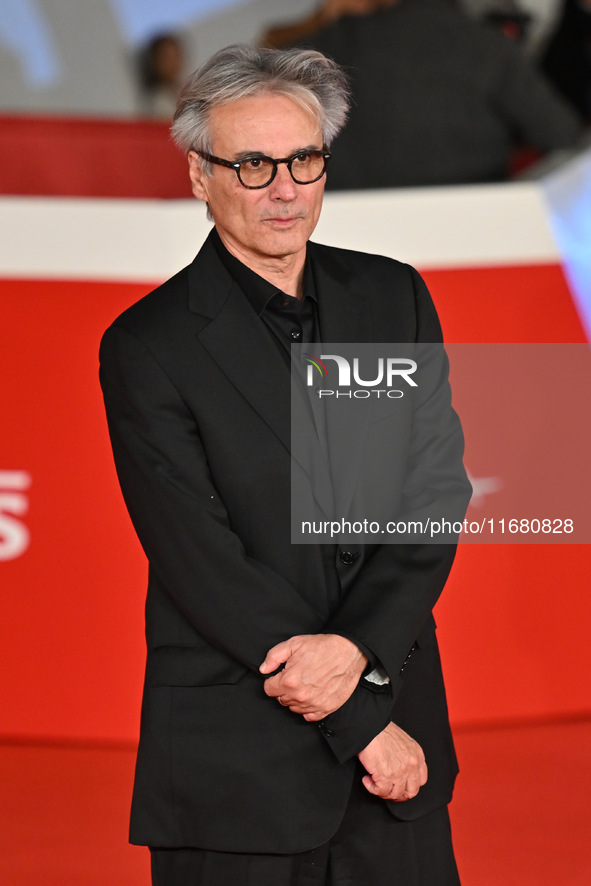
257	290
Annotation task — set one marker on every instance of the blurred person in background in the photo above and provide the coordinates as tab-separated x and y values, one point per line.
438	98
536	19
162	63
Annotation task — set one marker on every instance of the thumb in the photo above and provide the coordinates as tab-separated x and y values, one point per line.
276	656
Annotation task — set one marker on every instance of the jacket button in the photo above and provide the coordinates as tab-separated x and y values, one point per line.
326	730
347	558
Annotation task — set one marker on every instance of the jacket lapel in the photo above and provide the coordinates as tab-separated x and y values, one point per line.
239	342
243	349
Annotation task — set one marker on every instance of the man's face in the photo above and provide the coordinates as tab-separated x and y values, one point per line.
271	222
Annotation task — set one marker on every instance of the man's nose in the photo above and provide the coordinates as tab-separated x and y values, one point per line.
283	186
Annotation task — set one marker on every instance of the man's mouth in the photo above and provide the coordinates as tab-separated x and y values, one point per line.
283	221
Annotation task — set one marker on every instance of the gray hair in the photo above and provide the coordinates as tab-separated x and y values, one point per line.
304	75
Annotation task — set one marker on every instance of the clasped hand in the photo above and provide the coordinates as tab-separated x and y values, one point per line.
321	672
395	764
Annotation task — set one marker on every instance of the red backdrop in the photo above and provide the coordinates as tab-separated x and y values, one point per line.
73	157
71	629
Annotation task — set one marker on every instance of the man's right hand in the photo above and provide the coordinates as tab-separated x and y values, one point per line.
395	763
321	672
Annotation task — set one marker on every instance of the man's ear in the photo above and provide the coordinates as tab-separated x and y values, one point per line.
197	176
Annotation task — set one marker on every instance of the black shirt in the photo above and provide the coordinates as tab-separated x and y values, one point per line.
290	320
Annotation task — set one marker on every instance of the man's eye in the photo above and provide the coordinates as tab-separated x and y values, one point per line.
303	157
252	163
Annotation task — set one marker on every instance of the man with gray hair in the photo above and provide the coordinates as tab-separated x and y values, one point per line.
281	743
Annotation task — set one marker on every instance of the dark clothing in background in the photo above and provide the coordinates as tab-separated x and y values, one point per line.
438	99
567	61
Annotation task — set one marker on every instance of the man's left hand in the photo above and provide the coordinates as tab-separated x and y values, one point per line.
395	764
321	672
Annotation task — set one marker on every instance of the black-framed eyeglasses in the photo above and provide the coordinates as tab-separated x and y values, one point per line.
258	171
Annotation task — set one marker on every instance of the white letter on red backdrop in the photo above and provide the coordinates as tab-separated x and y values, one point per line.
14	535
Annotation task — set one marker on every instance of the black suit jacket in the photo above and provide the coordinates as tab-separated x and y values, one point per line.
197	399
